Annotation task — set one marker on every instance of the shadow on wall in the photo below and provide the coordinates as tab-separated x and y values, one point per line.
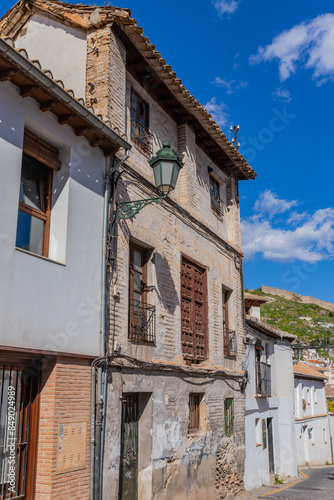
166	290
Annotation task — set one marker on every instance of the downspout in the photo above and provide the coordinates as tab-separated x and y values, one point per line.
98	414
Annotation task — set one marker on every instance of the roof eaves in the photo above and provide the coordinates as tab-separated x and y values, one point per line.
269	330
165	72
19	58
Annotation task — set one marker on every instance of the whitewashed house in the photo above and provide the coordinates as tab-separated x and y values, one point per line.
269	417
54	155
313	433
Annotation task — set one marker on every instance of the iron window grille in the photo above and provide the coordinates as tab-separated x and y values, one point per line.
142	137
142	322
230	343
229	416
264	380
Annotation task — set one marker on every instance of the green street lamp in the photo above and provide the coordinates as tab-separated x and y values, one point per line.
298	351
166	166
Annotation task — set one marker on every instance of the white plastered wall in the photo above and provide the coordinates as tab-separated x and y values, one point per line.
51	304
59	48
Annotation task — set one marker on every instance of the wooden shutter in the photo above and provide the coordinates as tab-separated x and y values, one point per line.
193	311
41	150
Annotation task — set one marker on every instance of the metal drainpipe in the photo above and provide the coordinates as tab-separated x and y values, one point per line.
98	414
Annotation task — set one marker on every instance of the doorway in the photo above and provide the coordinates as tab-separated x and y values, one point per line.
129	447
271	445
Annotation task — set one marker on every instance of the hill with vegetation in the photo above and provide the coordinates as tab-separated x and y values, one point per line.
311	323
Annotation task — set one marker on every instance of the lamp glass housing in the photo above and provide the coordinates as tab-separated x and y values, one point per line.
166	167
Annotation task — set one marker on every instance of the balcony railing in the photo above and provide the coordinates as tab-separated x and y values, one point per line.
142	137
141	322
230	343
264	381
216	203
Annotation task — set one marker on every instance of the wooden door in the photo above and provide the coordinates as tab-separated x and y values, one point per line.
193	310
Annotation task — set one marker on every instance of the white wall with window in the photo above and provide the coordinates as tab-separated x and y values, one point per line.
313	442
50	283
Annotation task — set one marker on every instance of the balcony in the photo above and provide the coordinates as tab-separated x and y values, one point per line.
263	386
230	344
217	204
141	322
142	137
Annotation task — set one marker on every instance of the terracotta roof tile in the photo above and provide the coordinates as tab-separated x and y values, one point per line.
306	370
263	327
87	17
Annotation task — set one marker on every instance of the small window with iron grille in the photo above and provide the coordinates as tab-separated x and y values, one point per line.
229	416
194	412
140	133
216	203
141	314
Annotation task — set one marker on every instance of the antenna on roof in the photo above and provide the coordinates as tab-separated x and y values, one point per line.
235	129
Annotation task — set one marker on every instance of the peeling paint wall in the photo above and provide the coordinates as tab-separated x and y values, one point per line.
195	465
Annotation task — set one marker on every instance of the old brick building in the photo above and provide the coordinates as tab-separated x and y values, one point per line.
175	411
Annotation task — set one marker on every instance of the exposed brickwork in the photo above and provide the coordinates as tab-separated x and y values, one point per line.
65	397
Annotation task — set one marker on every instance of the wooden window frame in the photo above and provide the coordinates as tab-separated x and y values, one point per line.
140	100
217	209
143	252
229	420
47	157
141	327
193	358
194	412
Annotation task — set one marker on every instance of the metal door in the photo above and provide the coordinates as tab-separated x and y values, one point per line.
129	448
270	445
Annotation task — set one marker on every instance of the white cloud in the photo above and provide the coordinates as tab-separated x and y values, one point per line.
281	95
217	110
225	7
269	204
230	85
309	44
310	240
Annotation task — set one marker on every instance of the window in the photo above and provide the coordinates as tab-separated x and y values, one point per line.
33	224
194	412
193	311
262	371
142	315
216	202
18	430
140	133
229	416
229	335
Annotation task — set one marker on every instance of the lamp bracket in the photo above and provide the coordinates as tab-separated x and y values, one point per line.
128	209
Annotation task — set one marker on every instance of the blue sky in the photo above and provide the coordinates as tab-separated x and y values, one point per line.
267	66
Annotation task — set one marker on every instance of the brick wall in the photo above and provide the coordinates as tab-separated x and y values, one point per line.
64	397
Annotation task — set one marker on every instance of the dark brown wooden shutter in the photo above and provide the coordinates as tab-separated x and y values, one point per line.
41	150
193	311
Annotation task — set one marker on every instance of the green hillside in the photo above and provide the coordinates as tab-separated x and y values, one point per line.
309	322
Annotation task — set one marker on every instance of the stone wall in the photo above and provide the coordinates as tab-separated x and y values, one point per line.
304	299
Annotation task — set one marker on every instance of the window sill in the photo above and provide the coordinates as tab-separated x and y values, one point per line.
40	256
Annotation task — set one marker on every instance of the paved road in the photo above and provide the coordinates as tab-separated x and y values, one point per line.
318	486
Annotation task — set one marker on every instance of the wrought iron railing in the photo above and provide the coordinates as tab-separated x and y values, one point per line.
216	203
264	381
230	343
141	322
142	136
